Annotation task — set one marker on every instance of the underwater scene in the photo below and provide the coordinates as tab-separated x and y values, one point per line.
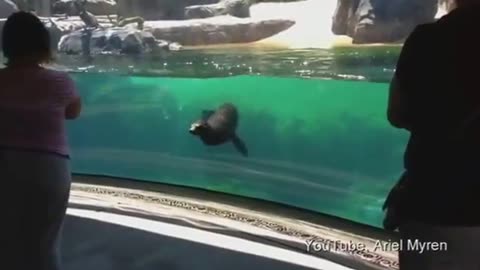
307	83
318	143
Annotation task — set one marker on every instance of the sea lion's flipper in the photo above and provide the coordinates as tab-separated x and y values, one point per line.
206	114
240	145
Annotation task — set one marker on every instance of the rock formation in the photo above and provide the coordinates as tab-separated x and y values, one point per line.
157	9
217	30
96	7
135	35
203	22
237	8
110	41
382	21
7	7
184	9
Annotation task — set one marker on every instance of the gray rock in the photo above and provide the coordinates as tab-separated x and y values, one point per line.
380	21
7	7
41	7
175	9
217	30
67	33
197	32
110	41
23	4
237	8
96	7
157	9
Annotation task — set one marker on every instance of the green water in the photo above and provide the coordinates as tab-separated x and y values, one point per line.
319	144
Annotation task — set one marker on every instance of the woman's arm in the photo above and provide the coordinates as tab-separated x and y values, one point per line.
397	105
68	93
73	109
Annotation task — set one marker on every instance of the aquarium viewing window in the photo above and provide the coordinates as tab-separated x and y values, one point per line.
309	80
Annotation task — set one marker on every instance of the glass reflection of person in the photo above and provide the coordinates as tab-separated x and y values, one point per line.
435	95
34	154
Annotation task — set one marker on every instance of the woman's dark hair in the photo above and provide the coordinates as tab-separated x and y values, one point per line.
25	37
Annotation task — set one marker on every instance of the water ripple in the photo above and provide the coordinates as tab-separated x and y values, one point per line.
359	63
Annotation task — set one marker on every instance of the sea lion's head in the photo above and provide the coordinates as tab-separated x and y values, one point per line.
198	128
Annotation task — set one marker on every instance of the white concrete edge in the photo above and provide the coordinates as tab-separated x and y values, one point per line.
191	217
211	239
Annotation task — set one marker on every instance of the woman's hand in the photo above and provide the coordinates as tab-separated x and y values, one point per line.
397	106
392	219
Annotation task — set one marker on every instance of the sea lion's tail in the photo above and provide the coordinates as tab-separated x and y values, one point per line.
240	145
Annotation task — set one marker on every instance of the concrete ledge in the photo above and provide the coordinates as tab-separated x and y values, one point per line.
256	220
99	240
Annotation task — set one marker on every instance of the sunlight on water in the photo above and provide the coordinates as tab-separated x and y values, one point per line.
313	27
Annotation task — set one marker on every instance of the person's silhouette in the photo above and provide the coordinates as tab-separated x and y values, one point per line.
34	154
435	95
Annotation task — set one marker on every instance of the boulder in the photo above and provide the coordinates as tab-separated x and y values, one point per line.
96	7
67	33
7	7
111	41
237	8
217	30
157	9
176	9
58	27
343	16
381	21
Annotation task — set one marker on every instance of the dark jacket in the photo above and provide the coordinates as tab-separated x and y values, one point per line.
438	70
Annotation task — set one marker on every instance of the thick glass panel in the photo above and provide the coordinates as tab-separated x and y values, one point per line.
309	80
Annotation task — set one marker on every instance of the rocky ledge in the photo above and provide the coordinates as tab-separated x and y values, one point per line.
383	21
206	22
68	33
110	31
112	41
216	30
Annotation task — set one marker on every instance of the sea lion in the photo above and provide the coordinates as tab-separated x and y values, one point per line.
218	127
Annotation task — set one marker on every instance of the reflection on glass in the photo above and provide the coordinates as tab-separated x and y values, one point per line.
309	79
